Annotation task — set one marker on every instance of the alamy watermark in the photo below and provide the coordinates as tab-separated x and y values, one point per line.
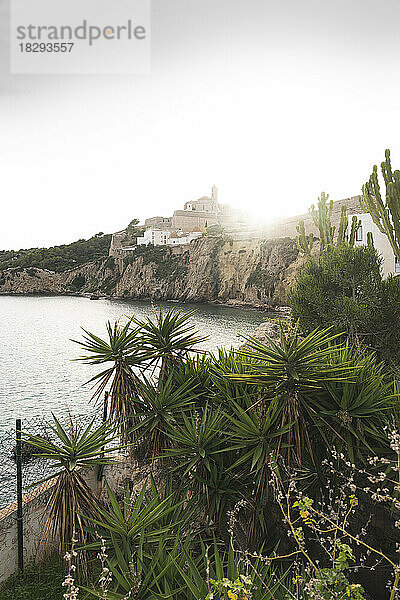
80	36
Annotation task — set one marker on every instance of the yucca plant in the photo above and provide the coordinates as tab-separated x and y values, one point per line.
255	432
223	365
286	374
198	444
122	350
221	572
218	490
167	338
157	406
74	449
181	571
195	440
355	410
153	572
197	369
122	525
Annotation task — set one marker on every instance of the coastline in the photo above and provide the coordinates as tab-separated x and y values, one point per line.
239	304
246	274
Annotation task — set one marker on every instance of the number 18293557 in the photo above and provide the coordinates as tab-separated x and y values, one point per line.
46	47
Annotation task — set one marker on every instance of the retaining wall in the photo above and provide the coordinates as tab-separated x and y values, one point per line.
34	504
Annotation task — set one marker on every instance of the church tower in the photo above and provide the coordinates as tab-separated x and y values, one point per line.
214	198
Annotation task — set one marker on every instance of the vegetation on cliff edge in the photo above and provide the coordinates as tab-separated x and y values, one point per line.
58	258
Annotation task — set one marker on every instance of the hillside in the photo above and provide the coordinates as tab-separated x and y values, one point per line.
57	258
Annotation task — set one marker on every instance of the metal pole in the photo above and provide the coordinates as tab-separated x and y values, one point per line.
20	530
101	467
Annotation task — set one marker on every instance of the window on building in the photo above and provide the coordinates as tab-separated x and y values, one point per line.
396	265
359	234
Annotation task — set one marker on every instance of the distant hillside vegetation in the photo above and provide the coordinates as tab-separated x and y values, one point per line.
58	258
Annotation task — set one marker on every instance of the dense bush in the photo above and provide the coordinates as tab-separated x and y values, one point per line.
344	288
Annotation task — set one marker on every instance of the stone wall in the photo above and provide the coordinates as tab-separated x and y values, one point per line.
193	221
287	227
34	504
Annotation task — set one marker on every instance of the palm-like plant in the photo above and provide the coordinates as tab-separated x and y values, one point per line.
218	490
196	439
198	449
121	349
178	572
198	369
355	410
157	406
167	338
255	432
121	527
152	572
74	449
225	364
287	373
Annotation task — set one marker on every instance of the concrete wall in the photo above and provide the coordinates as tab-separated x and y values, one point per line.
34	504
381	243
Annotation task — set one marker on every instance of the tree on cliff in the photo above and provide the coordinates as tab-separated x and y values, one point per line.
133	231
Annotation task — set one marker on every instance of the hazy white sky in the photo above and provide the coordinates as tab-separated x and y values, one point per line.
273	101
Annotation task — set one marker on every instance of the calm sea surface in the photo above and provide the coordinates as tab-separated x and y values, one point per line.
37	372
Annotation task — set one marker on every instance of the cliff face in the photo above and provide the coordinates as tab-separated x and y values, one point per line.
253	272
30	281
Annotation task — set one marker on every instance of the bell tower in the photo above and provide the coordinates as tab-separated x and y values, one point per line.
214	197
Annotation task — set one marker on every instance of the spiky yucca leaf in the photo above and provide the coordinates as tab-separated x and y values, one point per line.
157	405
195	439
168	337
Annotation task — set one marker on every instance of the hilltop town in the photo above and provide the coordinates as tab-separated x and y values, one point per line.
206	216
205	252
197	218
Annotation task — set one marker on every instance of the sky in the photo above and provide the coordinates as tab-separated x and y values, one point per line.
272	101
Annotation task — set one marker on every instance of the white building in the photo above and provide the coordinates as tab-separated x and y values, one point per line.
390	264
160	237
154	236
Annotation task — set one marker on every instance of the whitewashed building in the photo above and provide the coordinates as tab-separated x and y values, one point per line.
390	264
161	237
152	235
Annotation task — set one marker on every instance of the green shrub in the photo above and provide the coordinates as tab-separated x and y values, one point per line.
344	289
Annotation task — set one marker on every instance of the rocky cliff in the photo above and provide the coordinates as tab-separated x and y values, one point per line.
248	272
30	281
